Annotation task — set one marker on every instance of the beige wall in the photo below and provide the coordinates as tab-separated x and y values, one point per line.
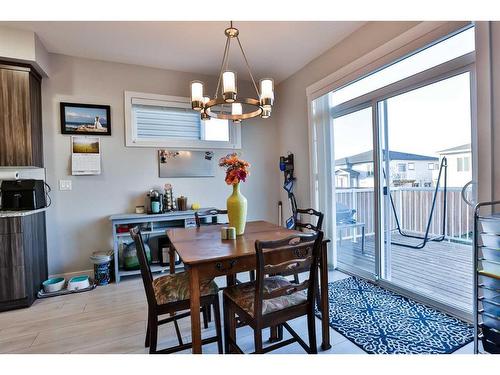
291	108
23	46
488	104
77	222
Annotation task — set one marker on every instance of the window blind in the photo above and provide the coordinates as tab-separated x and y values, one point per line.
159	122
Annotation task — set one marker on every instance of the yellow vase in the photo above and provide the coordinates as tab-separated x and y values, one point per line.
237	210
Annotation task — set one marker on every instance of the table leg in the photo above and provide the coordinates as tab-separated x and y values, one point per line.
194	285
325	324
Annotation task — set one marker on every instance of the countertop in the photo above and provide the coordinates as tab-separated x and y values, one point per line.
6	214
171	214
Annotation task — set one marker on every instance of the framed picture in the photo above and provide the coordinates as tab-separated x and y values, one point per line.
85	119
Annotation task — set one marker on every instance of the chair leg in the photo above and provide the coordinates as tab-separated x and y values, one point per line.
311	327
218	328
153	333
225	309
146	344
209	314
252	275
257	338
276	333
205	316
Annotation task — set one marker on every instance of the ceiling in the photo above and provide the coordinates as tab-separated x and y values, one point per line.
274	49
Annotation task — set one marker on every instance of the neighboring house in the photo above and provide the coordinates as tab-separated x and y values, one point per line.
459	164
405	169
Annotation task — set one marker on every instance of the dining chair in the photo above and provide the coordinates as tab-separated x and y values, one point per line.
301	224
272	300
169	294
211	212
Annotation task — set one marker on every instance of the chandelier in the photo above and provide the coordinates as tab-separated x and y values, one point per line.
229	105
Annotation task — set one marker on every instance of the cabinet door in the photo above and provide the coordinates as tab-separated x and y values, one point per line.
15	118
12	272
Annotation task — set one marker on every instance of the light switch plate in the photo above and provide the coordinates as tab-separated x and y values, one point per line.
65	185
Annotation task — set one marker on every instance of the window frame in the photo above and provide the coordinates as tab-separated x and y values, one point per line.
131	140
411	166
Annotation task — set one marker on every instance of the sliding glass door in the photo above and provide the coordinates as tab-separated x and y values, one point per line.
401	148
354	190
426	161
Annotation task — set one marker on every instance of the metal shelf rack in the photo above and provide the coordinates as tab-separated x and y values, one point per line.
486	280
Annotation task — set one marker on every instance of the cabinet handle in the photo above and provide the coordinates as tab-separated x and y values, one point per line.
220	267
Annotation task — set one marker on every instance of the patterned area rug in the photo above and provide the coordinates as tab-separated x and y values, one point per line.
382	322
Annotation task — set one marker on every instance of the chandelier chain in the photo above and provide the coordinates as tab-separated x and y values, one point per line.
222	66
248	67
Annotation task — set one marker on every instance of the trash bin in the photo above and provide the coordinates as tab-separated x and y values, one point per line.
102	267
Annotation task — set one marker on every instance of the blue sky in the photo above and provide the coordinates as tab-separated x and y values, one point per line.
79	114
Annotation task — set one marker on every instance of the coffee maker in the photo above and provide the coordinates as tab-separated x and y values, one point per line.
155	202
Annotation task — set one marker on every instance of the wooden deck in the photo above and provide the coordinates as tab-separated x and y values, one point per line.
441	270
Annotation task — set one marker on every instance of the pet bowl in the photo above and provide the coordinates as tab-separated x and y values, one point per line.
78	282
53	285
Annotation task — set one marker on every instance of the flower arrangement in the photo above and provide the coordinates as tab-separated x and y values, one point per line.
236	168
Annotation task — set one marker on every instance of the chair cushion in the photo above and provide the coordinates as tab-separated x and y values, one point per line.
175	288
244	295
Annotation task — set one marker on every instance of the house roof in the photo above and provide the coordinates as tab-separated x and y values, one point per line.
367	157
456	149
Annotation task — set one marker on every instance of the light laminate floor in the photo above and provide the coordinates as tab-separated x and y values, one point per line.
112	319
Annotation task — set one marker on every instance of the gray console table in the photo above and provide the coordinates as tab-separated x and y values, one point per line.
154	225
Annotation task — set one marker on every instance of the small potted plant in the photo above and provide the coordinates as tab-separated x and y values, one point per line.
236	172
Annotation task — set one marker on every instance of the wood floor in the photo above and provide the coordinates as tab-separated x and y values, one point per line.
441	270
111	319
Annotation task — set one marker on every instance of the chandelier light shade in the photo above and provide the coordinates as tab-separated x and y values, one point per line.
266	93
229	86
197	95
229	105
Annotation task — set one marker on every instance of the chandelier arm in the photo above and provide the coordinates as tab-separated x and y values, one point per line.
222	66
248	67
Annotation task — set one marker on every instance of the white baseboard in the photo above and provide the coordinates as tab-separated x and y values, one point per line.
68	275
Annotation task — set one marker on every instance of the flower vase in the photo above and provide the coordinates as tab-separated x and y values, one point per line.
237	210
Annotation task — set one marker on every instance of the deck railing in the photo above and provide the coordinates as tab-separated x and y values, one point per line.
413	205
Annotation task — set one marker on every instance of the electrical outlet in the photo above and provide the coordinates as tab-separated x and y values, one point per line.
64	184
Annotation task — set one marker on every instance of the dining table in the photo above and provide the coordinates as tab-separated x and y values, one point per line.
206	256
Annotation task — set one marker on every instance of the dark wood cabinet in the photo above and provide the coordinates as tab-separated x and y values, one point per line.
20	116
23	248
23	259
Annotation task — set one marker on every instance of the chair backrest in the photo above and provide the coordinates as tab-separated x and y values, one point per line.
147	276
299	253
301	224
210	212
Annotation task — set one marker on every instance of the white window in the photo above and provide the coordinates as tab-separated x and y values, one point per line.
452	47
463	164
411	166
168	121
431	166
401	167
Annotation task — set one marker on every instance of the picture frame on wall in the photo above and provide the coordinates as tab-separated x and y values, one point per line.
85	119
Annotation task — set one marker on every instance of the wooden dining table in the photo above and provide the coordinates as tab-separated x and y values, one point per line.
206	256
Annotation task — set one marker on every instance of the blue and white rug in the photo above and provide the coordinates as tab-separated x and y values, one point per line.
382	322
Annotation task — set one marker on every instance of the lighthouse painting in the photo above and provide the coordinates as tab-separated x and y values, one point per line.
85	119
